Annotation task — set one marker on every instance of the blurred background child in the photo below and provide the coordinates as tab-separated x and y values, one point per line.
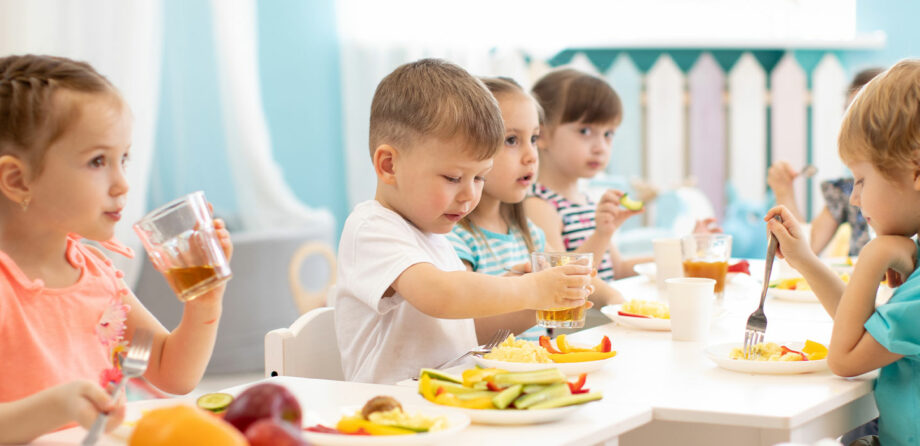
65	135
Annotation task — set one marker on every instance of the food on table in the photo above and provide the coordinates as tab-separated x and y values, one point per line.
629	203
265	400
183	425
383	415
646	308
500	389
742	267
518	350
799	283
215	402
770	351
274	432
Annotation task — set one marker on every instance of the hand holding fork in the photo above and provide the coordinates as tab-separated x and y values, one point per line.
757	321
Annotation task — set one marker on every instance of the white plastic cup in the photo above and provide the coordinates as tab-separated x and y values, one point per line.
690	300
668	260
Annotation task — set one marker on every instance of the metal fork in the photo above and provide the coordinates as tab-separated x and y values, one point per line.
757	321
133	366
496	339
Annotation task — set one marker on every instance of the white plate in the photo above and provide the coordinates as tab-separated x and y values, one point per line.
641	323
567	368
516	417
456	422
646	269
719	353
793	295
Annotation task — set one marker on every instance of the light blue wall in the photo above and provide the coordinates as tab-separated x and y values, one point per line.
899	19
299	69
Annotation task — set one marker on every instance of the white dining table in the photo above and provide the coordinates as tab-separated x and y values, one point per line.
656	391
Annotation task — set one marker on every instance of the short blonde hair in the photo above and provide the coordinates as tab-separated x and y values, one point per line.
882	125
434	98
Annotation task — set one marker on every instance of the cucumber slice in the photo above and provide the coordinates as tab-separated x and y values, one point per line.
567	400
443	376
545	376
550	393
474	395
531	388
215	402
629	203
504	399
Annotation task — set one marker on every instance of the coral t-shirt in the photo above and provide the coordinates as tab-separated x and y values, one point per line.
50	336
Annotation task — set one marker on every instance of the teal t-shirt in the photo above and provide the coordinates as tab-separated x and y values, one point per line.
896	326
491	252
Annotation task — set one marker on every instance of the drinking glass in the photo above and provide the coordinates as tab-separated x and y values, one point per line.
564	317
707	255
182	244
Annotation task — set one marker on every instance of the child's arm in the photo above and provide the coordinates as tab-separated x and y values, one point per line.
826	284
23	420
464	294
853	351
823	228
178	358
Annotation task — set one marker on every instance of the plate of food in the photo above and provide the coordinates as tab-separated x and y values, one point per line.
382	420
518	355
496	396
641	314
786	358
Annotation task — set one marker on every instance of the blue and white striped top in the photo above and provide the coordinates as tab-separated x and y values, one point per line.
577	224
490	252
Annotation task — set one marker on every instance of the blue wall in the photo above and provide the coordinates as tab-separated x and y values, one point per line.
299	69
898	19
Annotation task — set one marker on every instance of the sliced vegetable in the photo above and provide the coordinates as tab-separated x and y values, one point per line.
577	385
743	266
551	392
567	400
545	376
214	402
623	313
443	376
351	425
794	352
548	345
473	376
507	396
814	350
582	356
565	347
604	346
629	203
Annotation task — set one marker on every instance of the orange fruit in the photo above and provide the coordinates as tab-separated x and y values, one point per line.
814	350
184	426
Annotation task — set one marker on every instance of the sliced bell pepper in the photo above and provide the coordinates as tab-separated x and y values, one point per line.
742	266
565	347
351	425
424	388
494	387
623	313
547	345
578	384
794	352
814	350
604	346
581	356
473	376
449	399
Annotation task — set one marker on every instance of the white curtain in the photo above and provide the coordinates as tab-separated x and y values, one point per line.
265	201
123	41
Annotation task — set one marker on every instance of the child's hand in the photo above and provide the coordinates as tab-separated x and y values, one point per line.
707	226
792	243
896	254
83	401
609	215
779	178
223	235
517	270
562	286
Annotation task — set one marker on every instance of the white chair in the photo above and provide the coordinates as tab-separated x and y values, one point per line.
307	349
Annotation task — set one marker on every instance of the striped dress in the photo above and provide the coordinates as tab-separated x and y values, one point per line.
491	252
577	224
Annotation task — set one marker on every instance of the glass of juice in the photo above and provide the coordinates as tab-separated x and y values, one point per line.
182	244
573	317
707	255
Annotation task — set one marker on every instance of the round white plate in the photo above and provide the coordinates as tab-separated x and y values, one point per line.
514	416
793	295
567	368
641	323
719	353
647	269
456	422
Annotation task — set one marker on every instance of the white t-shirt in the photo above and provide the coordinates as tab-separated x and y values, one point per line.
386	339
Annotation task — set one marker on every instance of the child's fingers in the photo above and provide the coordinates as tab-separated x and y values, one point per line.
97	396
783	212
116	416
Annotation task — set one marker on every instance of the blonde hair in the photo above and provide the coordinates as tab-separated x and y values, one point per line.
434	98
569	95
882	125
32	116
500	86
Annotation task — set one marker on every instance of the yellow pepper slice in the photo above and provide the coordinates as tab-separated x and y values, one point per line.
814	350
350	425
581	356
473	376
424	388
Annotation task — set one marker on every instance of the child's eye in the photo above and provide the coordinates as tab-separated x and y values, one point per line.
511	140
98	161
584	131
608	134
451	179
534	138
479	179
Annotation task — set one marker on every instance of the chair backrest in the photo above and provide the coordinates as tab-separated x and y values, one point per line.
307	349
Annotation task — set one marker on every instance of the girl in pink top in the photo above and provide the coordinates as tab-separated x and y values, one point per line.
65	313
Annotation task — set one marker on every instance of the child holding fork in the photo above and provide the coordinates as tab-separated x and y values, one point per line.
880	142
65	313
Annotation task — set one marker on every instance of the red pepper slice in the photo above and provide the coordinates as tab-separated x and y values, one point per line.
623	313
584	390
741	267
494	387
789	350
604	346
545	343
577	385
439	391
323	429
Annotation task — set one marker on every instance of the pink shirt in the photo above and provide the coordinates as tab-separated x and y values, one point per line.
52	336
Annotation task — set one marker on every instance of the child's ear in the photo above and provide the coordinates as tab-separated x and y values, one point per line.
384	160
13	178
916	174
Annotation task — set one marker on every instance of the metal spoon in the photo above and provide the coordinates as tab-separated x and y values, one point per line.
808	171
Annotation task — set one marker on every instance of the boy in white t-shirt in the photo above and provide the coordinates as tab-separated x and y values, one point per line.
405	300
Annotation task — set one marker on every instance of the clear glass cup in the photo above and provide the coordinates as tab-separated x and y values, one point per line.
565	317
707	255
182	244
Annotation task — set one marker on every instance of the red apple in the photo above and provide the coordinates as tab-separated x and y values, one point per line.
260	401
273	432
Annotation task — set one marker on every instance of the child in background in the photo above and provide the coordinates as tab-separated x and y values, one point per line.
65	134
837	210
880	142
405	300
496	237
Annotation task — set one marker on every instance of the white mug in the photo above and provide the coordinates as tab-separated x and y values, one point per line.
668	260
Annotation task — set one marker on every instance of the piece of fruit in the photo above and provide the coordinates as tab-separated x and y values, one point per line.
814	350
215	402
629	203
273	432
264	400
184	425
379	404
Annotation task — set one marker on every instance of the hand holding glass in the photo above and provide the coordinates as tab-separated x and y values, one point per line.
182	244
573	317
